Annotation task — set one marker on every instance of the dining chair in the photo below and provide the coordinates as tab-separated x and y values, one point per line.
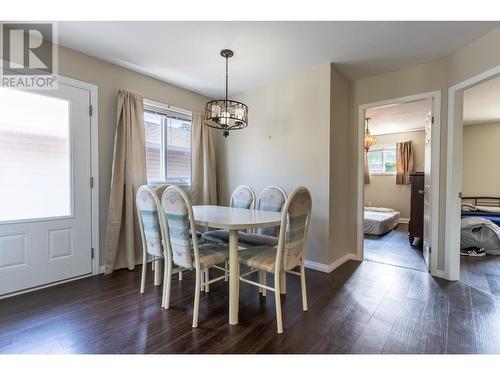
153	238
184	251
271	198
288	254
242	197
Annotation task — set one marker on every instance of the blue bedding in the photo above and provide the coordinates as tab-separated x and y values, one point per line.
486	215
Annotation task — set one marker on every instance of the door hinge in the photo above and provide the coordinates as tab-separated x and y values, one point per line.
91	182
91	111
92	252
430	249
432	120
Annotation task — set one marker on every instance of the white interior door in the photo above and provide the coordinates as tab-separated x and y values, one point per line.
45	193
427	188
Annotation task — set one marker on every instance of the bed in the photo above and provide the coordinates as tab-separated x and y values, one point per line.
485	207
380	220
480	224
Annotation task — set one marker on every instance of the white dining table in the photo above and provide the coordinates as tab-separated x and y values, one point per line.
234	220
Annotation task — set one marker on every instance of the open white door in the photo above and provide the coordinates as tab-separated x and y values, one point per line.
427	188
45	192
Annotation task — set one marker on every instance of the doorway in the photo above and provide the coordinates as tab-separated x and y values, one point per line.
390	196
478	236
47	174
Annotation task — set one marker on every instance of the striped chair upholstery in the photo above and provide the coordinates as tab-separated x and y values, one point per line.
296	217
177	213
243	197
272	198
149	222
177	217
299	211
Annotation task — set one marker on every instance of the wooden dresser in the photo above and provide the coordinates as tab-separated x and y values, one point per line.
416	225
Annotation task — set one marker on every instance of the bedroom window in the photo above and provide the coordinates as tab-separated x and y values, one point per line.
382	160
168	144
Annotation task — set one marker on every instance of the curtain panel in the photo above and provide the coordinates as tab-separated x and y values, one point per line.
123	241
404	162
203	163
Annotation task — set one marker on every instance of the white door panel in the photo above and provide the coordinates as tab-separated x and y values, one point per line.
427	188
45	196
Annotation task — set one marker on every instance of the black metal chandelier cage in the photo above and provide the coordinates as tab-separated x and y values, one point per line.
226	114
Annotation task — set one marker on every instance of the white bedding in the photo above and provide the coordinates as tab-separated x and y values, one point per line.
379	220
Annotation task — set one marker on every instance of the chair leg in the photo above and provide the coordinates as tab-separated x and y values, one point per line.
207	279
263	280
202	278
157	271
303	285
283	282
167	284
277	298
226	273
197	290
144	266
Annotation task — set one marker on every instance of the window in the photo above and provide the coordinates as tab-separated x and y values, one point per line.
35	156
382	160
168	144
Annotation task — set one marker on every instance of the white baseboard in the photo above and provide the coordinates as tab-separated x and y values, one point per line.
101	268
403	220
329	267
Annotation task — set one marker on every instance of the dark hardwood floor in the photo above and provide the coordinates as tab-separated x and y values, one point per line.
364	307
482	273
394	248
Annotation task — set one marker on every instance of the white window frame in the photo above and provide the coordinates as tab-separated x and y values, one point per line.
382	148
172	111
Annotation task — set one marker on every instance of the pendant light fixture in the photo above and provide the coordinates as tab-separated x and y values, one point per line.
226	114
370	140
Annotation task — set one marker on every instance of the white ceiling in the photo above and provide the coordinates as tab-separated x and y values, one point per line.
187	53
482	103
398	118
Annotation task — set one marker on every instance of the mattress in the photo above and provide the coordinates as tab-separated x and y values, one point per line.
494	217
379	220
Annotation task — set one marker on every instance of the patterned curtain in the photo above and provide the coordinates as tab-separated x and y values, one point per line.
123	240
404	162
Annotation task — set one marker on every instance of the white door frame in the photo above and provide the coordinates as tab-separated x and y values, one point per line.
94	162
454	170
435	96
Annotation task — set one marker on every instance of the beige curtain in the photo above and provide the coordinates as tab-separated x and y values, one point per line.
123	246
367	169
404	162
203	168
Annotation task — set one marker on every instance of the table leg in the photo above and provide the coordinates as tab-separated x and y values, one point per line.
234	277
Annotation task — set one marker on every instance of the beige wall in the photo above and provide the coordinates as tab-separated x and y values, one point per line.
480	172
297	136
480	55
285	144
382	190
342	217
110	78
